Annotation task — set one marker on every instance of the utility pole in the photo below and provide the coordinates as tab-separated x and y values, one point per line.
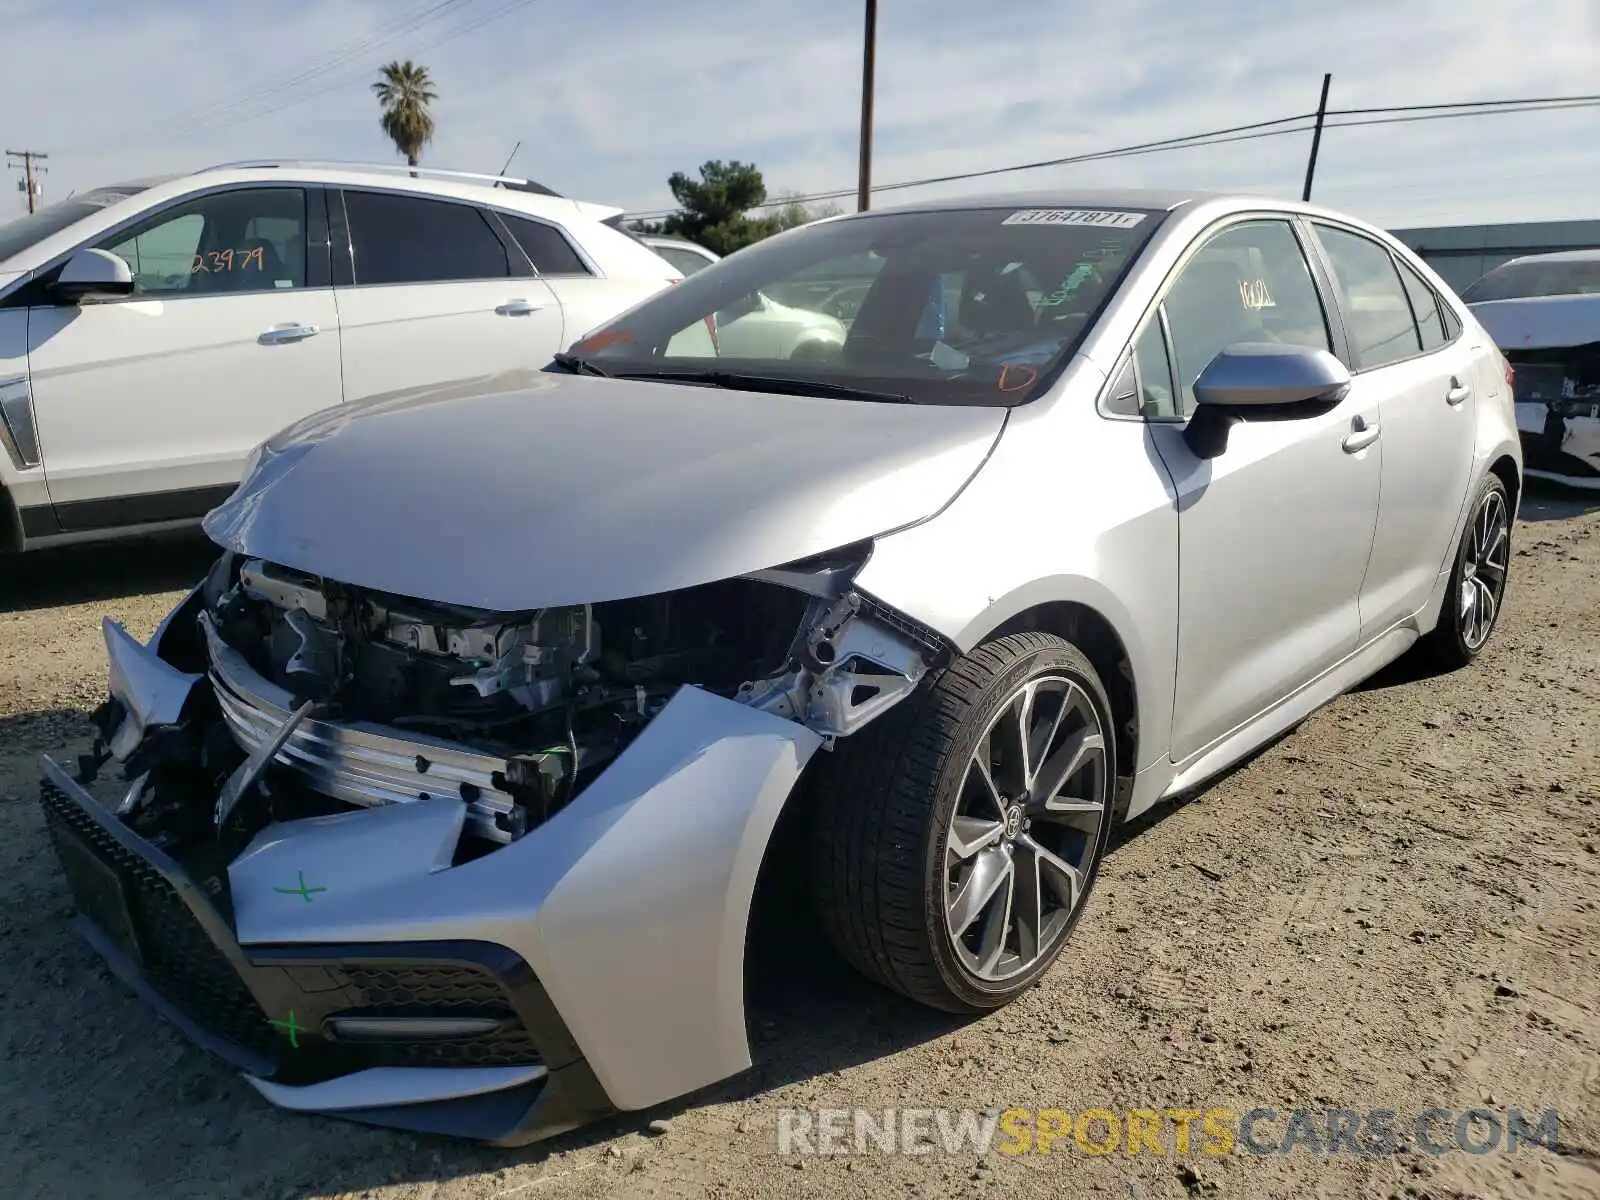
26	159
869	56
1316	136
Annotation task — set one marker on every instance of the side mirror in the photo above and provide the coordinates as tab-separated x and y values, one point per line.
93	275
1261	381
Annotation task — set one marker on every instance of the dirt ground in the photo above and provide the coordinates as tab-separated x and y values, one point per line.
1396	907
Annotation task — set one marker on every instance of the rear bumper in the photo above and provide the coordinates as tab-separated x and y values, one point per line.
1561	448
268	1010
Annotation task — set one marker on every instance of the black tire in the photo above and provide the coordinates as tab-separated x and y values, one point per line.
1452	643
882	803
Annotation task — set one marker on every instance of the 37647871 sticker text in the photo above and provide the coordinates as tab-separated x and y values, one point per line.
1104	218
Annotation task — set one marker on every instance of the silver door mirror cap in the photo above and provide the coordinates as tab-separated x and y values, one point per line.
93	274
1259	374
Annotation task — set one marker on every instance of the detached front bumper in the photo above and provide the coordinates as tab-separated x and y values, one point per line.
346	967
269	1011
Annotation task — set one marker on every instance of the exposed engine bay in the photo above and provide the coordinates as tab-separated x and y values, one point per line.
303	696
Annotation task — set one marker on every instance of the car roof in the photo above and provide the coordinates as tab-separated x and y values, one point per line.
1158	199
523	194
1555	256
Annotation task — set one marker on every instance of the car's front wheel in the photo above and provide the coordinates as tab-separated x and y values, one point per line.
955	842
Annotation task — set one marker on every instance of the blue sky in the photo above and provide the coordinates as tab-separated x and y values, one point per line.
608	98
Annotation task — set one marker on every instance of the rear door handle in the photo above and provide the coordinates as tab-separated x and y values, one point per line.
1361	436
1457	393
280	334
517	308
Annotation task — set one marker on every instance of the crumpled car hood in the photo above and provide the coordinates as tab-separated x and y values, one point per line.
558	489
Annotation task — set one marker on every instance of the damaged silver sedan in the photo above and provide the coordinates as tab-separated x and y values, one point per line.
441	802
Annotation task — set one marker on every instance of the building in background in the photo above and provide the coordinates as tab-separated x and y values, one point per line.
1462	254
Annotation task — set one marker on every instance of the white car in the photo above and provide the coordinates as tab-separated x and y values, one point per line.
758	326
153	334
1544	312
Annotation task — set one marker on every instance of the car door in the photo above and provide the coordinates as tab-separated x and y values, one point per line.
147	406
434	293
1423	385
1274	533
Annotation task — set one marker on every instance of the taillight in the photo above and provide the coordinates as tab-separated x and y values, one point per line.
711	328
1511	374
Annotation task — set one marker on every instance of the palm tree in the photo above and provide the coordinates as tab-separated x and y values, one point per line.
405	91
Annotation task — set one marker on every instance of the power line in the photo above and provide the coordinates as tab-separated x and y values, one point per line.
198	117
1234	133
1446	116
1460	104
448	36
301	94
1238	133
410	23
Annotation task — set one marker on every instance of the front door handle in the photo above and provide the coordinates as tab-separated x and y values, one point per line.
1457	393
278	335
517	308
1361	436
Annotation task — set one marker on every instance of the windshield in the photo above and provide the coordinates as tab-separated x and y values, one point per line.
1520	281
16	236
972	306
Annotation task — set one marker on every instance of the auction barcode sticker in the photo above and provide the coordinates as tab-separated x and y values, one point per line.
1104	218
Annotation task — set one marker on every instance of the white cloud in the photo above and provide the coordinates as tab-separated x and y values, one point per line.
608	100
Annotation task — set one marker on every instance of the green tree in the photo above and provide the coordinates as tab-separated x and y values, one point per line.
714	209
793	211
404	91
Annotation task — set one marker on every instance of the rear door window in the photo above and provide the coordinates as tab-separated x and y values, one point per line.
546	247
410	239
1425	307
1377	311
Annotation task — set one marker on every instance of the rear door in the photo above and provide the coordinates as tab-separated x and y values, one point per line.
434	292
147	406
1425	387
589	297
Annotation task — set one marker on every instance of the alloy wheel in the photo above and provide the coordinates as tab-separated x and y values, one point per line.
1025	832
1484	569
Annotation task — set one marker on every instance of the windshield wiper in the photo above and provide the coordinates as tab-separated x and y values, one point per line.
579	366
736	381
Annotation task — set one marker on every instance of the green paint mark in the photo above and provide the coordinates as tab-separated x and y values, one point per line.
291	1027
302	890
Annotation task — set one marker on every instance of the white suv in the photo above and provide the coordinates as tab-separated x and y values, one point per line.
152	334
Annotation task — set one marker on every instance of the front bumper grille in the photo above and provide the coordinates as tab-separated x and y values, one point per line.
269	1010
181	961
434	991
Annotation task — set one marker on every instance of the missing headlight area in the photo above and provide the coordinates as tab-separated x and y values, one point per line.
278	695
